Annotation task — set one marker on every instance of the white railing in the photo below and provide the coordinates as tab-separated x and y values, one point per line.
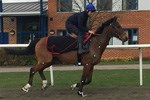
13	45
139	47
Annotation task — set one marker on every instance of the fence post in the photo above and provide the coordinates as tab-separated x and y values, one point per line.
51	75
140	66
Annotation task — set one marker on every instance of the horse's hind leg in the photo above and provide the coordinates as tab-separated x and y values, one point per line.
33	70
29	84
44	80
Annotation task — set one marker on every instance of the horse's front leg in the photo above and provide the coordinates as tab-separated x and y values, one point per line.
87	74
87	81
80	89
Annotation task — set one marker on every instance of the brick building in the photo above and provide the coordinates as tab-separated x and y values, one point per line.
21	22
134	16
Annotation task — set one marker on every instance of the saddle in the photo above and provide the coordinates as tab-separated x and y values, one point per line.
61	44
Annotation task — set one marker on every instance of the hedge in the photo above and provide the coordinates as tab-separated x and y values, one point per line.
14	60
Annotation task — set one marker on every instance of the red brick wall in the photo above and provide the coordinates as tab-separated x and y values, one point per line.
9	25
128	19
58	18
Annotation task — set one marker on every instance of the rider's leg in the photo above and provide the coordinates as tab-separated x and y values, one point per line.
80	45
73	29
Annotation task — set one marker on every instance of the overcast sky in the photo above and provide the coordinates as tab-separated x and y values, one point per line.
20	0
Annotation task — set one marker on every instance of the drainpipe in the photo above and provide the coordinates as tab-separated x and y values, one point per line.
41	6
1	18
1	23
42	33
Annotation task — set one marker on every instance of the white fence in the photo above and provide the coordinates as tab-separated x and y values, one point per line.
139	47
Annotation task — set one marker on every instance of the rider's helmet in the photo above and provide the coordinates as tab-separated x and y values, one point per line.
90	7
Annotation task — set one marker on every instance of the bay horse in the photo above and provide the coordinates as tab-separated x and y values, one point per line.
99	41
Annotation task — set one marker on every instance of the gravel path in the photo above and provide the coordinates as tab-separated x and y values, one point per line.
69	67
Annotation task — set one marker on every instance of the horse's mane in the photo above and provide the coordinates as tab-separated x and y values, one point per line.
106	23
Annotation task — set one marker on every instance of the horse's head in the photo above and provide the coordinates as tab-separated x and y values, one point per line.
117	30
114	29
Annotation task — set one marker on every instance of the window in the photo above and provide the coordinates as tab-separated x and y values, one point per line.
64	5
115	41
132	35
61	32
130	4
104	5
78	5
30	24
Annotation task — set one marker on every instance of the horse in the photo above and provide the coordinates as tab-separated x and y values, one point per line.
98	43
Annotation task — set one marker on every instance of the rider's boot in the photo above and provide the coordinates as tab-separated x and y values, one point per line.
81	50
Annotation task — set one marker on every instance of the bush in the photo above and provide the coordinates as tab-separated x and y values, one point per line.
16	60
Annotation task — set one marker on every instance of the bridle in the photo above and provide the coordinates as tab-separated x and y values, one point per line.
117	33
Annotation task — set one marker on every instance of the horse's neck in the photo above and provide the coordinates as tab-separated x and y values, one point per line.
106	36
101	40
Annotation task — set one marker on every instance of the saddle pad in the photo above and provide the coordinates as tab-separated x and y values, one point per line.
60	44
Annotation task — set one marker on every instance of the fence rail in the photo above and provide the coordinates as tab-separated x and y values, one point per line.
138	47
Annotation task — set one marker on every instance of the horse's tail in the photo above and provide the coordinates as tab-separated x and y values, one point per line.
26	51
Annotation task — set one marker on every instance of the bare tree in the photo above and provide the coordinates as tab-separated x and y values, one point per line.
96	19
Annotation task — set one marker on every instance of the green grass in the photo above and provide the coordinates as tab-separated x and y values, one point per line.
101	78
123	62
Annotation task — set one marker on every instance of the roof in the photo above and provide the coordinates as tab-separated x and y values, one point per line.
22	8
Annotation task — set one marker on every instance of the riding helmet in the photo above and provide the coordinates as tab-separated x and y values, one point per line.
90	7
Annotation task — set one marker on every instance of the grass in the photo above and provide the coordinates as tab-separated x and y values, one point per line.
101	78
123	62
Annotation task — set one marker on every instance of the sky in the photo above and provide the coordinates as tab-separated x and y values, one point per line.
19	0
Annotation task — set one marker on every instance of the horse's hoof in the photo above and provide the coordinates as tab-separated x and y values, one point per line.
25	90
44	88
44	85
26	87
81	94
73	86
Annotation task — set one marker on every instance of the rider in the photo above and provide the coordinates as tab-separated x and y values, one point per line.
77	24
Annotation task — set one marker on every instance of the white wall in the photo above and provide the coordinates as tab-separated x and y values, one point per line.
117	5
6	1
144	4
116	41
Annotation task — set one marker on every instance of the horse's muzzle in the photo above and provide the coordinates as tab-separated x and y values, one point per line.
125	39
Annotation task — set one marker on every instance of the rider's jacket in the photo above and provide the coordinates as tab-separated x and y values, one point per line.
79	20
